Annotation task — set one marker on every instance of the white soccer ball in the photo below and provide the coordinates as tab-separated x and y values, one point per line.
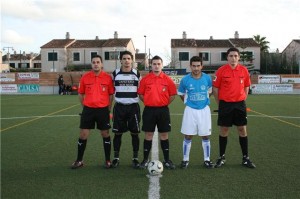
155	167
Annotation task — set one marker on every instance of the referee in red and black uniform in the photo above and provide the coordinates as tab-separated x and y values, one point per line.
95	94
230	89
157	91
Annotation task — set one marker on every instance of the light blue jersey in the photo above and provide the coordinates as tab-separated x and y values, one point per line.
195	90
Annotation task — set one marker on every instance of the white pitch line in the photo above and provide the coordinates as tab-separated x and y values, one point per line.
174	114
154	187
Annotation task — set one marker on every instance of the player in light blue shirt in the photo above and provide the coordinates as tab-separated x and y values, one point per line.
194	90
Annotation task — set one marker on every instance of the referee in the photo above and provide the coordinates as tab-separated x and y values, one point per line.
126	112
157	91
95	94
230	89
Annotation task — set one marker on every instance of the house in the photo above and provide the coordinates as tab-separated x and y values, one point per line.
64	54
291	54
141	58
21	60
213	52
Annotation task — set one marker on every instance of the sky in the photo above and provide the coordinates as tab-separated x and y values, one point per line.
26	25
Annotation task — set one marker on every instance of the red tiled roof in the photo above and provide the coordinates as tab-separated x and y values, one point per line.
140	56
244	42
58	43
116	42
212	43
183	43
87	43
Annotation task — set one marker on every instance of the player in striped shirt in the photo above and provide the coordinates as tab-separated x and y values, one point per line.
126	111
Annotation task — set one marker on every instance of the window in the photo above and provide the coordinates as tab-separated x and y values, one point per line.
76	56
112	55
223	56
246	56
184	56
204	56
93	54
52	56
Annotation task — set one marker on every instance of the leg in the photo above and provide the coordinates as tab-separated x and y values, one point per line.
147	149
187	144
107	147
84	133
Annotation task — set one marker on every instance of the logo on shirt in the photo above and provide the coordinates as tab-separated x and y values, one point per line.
215	78
164	89
203	87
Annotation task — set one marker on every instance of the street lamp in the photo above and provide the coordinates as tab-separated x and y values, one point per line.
8	55
145	50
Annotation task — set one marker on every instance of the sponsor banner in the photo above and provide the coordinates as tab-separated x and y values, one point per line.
290	80
28	76
176	79
8	88
28	88
269	79
271	88
8	77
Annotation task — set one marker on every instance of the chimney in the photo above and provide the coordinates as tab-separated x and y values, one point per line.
236	35
211	38
184	35
116	35
67	35
97	38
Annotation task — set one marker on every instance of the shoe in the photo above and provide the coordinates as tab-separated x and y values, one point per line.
184	164
247	163
209	164
169	164
135	163
107	164
220	161
77	164
115	163
144	164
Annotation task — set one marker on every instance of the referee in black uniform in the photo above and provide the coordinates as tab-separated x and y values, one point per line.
126	111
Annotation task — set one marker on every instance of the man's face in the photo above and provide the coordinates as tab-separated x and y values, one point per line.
126	61
157	65
233	58
196	68
96	64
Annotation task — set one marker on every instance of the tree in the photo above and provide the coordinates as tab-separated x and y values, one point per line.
262	42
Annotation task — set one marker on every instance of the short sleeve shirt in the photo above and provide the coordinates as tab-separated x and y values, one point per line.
195	90
232	82
96	89
157	89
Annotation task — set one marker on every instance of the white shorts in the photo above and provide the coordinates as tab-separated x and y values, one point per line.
196	121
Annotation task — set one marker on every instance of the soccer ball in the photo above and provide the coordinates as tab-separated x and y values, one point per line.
155	167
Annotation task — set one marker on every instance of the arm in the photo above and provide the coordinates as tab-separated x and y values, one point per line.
81	98
171	99
111	99
216	94
246	89
141	97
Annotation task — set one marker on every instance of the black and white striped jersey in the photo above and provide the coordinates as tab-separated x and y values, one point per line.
126	85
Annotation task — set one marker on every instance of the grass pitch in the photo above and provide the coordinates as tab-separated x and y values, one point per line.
38	144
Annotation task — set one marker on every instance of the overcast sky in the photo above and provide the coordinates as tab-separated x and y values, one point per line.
26	25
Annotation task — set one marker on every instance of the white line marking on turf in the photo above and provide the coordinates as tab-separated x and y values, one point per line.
175	114
154	187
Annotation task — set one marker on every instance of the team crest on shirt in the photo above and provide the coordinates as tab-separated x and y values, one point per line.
164	89
203	87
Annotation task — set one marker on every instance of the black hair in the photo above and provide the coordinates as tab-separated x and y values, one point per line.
95	56
196	59
233	49
126	52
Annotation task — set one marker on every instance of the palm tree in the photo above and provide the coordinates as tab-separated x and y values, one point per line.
262	42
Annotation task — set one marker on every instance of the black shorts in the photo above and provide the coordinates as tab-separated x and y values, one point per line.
92	116
232	113
159	116
126	117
